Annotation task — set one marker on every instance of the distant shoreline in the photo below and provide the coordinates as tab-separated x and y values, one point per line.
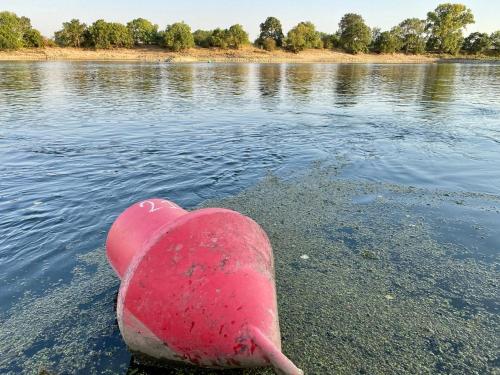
244	55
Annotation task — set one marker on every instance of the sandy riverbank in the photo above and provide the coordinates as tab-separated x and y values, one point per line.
247	54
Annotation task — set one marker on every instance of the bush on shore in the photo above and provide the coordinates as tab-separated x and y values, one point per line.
269	44
477	43
495	42
105	35
234	37
178	37
219	38
202	38
330	41
72	34
388	42
143	32
303	36
237	36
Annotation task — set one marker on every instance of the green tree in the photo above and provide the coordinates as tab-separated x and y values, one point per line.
33	38
388	41
98	34
375	36
446	24
178	37
329	41
11	33
202	38
143	31
495	41
303	36
355	35
219	38
16	32
72	34
237	36
271	29
120	35
477	43
269	44
412	34
102	34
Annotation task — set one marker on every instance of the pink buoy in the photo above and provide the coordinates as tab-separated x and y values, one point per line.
196	287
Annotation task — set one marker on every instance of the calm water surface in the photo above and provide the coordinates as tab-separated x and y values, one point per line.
81	141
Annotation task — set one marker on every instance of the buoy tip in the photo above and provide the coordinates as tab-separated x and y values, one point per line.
282	364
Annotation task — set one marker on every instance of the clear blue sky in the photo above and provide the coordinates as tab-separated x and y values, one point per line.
48	15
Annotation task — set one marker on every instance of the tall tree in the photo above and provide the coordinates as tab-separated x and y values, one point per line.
412	34
355	35
446	24
143	31
72	34
271	29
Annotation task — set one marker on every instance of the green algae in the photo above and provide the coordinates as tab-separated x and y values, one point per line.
59	331
379	292
372	278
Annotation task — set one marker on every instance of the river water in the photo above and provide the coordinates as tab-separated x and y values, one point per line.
386	176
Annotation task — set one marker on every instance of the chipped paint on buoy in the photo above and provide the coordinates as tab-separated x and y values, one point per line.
197	287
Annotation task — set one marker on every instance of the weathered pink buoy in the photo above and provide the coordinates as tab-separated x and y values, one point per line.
197	287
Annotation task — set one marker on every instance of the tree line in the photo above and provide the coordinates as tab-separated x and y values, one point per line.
441	32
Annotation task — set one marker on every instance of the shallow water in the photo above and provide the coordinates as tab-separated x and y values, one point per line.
386	176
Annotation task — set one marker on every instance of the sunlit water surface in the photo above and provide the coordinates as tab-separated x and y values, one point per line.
81	141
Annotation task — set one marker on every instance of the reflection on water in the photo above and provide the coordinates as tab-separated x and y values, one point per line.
18	83
80	141
270	79
438	84
299	79
232	78
180	81
349	83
